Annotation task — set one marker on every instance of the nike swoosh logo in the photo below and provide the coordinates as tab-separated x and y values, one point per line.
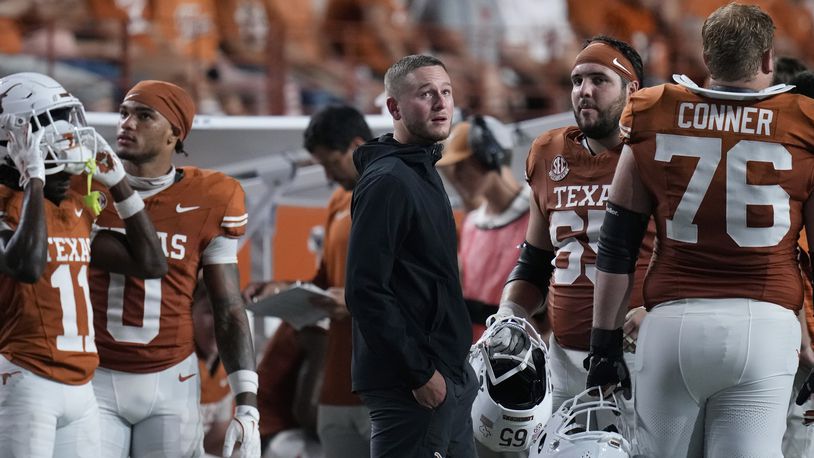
181	209
619	64
77	212
341	214
184	378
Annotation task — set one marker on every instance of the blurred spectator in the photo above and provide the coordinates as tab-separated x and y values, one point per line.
369	35
39	37
467	36
622	19
270	39
170	40
374	33
787	68
476	162
537	49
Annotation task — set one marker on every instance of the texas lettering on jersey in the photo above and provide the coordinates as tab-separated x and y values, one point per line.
146	325
571	187
728	179
69	249
46	327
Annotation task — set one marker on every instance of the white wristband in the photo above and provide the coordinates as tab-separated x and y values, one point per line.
243	381
508	308
129	206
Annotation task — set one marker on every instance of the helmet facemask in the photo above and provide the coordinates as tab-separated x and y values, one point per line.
514	400
589	424
68	143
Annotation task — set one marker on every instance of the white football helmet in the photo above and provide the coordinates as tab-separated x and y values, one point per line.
514	399
68	142
584	426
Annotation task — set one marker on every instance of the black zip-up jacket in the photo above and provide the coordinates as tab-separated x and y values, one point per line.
402	285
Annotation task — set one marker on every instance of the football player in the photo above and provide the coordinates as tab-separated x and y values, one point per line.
570	172
146	385
727	173
47	241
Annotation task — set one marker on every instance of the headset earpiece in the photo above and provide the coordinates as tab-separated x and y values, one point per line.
485	146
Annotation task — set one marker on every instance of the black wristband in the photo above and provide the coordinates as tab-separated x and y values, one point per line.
606	343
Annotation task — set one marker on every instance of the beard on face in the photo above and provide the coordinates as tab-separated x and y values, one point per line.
607	121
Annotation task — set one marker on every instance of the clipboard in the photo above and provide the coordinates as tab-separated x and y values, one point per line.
294	305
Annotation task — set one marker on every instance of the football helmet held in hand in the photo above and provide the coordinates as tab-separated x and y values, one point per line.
514	400
55	115
584	426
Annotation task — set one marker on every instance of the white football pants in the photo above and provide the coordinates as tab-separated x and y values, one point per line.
151	415
713	378
41	418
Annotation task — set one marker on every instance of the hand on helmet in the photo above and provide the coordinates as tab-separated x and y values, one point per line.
605	363
507	340
24	148
109	168
245	429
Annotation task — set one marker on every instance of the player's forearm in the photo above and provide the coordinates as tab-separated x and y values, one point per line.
25	253
142	238
524	294
233	336
235	346
611	295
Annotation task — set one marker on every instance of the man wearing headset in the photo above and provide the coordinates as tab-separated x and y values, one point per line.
476	162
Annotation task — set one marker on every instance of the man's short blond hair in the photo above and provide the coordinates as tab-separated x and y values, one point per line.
394	78
735	38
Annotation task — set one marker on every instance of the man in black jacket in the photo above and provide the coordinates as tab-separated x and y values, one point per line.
411	329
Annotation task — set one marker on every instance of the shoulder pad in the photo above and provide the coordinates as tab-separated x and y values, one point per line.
552	140
646	98
685	81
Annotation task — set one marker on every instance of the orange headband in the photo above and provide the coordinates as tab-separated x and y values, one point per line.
608	56
171	101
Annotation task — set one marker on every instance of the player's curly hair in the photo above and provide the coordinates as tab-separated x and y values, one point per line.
623	47
735	37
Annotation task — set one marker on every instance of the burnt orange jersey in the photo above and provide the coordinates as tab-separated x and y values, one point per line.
146	325
728	179
45	326
570	187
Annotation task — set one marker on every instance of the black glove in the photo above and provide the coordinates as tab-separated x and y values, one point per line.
605	363
805	390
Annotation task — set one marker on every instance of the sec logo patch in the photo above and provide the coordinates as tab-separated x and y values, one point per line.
559	168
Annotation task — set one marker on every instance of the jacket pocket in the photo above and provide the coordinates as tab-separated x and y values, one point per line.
441	306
